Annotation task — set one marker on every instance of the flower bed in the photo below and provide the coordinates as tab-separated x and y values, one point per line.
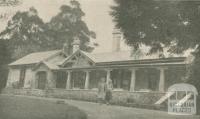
125	98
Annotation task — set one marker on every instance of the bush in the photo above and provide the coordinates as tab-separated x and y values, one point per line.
75	113
16	85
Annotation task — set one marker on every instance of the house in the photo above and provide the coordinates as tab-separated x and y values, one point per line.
130	71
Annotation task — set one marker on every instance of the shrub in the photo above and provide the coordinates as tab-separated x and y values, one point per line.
75	113
16	85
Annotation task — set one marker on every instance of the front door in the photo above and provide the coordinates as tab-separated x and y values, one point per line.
42	77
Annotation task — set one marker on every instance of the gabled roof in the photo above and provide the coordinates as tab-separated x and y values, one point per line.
48	64
78	51
35	57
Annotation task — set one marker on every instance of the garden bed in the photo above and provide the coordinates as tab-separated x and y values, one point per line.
123	98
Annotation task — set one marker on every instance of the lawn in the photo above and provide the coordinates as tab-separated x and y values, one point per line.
24	108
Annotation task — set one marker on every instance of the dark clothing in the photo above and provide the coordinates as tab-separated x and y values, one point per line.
109	88
108	96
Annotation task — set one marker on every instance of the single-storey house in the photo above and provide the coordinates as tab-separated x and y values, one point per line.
130	71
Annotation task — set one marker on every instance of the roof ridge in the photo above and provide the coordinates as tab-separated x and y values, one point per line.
111	52
46	51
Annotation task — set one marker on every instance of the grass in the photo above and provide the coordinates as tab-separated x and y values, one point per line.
21	107
24	108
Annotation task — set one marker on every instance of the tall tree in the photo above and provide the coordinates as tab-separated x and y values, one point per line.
159	24
5	58
25	33
68	24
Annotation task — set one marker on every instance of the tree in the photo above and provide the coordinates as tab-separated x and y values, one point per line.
5	58
161	24
68	24
25	33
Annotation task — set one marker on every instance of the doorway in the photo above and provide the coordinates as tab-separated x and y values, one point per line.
42	78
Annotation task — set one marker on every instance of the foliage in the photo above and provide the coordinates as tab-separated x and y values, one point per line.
67	24
4	53
159	24
26	32
16	85
5	58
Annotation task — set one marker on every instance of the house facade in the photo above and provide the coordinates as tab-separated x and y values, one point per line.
134	73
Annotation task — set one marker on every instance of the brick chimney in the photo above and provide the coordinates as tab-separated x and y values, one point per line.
117	37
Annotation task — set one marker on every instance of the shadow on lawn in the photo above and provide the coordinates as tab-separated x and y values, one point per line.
75	113
24	108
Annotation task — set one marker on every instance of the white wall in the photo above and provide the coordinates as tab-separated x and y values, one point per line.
13	76
29	76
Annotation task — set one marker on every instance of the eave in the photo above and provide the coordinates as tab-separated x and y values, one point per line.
128	66
144	61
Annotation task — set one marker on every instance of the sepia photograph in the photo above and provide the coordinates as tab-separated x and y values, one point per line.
99	59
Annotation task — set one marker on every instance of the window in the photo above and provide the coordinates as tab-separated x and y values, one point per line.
95	77
61	80
121	79
78	79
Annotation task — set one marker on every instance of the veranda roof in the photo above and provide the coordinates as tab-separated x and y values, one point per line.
120	56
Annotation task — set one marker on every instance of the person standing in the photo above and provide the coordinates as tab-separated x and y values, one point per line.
101	90
109	88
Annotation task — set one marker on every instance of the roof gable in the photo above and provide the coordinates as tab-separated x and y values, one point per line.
47	64
77	59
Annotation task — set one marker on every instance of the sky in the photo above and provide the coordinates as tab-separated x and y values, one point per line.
97	17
